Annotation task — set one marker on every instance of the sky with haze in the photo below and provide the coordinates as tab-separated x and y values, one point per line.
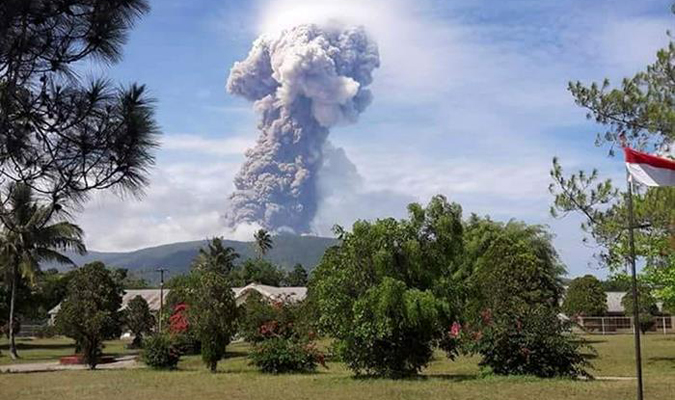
470	101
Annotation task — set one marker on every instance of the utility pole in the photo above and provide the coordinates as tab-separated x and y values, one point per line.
636	311
161	296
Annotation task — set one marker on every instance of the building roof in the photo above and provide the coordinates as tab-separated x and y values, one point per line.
614	302
152	296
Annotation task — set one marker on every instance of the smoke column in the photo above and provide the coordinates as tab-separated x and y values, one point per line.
303	81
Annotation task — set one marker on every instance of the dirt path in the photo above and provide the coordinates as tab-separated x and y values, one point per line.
125	362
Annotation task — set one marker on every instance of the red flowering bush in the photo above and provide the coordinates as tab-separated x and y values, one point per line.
178	321
179	328
281	344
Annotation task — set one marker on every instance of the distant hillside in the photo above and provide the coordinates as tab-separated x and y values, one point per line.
176	257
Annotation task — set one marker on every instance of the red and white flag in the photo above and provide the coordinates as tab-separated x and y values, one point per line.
650	170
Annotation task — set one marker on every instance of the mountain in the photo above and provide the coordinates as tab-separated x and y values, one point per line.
288	250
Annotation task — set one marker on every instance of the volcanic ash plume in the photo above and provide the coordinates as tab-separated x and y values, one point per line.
302	81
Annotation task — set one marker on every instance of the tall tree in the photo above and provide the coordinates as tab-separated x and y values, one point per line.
585	297
263	242
212	313
139	320
32	233
59	135
216	255
639	113
387	292
91	313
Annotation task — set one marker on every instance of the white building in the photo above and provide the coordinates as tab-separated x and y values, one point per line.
152	296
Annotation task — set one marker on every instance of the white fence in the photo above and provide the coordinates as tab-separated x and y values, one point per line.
622	325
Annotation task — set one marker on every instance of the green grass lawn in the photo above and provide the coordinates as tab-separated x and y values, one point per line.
443	379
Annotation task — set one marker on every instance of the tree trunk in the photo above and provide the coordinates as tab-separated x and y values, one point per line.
213	366
12	334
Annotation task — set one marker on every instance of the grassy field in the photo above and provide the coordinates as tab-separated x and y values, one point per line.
444	379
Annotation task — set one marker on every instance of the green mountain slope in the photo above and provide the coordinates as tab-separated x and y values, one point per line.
176	257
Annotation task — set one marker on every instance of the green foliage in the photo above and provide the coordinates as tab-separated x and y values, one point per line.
31	232
60	135
662	279
90	312
46	332
138	319
585	296
512	315
387	292
647	306
617	283
530	340
159	352
280	355
263	242
212	312
257	271
639	114
216	255
297	277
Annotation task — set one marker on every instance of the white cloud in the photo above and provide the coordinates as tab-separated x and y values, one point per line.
464	105
199	144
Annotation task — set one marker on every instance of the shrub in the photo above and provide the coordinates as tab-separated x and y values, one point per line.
46	332
181	334
159	352
262	319
531	341
279	355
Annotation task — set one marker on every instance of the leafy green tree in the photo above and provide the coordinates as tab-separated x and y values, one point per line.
212	313
513	314
662	279
647	307
257	271
617	283
585	297
640	114
59	135
138	319
297	277
386	293
263	242
32	233
216	254
90	312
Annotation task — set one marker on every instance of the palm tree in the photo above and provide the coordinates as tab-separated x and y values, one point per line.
263	242
32	233
218	255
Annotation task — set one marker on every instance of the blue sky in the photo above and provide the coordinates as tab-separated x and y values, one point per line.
470	102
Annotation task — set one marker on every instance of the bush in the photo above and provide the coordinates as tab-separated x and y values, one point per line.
262	319
159	352
532	342
46	332
279	355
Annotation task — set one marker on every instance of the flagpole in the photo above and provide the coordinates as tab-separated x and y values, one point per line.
636	312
